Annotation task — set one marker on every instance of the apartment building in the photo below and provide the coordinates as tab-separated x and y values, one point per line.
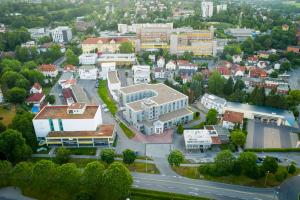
153	108
103	44
241	34
200	42
141	74
76	125
88	59
210	101
89	72
207	9
61	34
48	70
114	84
121	59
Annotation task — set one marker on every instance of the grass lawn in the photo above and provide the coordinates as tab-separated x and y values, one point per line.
104	95
141	167
83	151
192	172
141	194
129	133
7	115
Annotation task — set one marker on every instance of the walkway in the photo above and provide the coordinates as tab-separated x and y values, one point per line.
163	166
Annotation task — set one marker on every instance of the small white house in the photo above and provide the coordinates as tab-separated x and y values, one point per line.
171	66
210	101
236	59
197	139
89	72
36	88
141	74
159	73
161	62
88	59
277	66
107	67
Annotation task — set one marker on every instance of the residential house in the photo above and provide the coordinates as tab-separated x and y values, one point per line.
36	99
171	65
48	70
232	119
89	72
68	96
236	59
255	72
70	68
67	80
252	60
161	62
294	49
36	88
141	74
184	65
224	71
159	73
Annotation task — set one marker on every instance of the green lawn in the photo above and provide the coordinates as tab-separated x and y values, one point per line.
141	167
7	113
104	95
129	133
192	172
141	194
83	151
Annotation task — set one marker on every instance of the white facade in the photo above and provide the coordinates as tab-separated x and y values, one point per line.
88	72
107	67
197	139
35	90
88	59
236	59
221	7
61	34
171	66
43	124
114	84
210	101
207	9
161	62
120	58
141	74
1	96
159	73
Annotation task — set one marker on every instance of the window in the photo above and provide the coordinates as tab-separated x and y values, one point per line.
51	124
61	127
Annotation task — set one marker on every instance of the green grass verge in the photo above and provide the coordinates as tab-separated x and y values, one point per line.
83	151
142	194
104	95
129	133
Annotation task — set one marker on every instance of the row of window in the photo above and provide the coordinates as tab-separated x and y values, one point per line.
60	124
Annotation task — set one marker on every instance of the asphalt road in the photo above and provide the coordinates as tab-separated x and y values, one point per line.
290	189
214	190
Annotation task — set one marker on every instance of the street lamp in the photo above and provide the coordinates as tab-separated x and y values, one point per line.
266	177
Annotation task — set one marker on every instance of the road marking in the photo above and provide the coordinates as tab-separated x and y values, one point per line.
135	186
204	186
193	193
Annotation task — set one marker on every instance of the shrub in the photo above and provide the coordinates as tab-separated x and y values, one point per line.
108	156
237	168
129	156
270	164
175	158
281	174
291	169
62	155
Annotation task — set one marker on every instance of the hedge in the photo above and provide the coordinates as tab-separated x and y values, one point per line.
275	150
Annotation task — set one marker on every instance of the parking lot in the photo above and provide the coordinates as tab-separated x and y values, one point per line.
262	135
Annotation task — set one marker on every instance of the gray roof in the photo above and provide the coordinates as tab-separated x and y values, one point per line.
66	76
215	98
79	94
87	67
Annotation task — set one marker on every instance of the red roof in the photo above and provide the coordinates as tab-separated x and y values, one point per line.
67	93
216	140
223	70
47	68
256	72
104	40
234	117
253	58
35	98
183	62
69	68
37	86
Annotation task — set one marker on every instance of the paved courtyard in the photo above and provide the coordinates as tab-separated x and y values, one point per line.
262	135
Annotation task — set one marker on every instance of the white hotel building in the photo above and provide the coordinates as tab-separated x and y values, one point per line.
153	108
75	125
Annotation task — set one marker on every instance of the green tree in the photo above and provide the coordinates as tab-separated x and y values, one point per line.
216	84
5	173
117	181
16	95
2	127
180	129
93	177
270	164
224	162
291	169
175	158
62	155
281	174
248	162
22	53
71	58
23	122
258	96
9	79
232	49
13	146
238	137
239	85
285	66
108	155
126	47
228	87
50	99
212	117
129	156
22	174
248	46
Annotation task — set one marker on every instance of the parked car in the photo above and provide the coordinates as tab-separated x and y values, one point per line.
104	106
105	110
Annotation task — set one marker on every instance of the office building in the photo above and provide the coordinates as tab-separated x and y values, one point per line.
62	34
207	9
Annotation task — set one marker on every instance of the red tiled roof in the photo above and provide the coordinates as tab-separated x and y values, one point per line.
223	70
234	117
67	93
104	40
35	97
69	67
257	72
253	58
183	62
47	67
37	86
216	140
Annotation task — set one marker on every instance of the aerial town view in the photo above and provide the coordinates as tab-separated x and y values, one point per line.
149	99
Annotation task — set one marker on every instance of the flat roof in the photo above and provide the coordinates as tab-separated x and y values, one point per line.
105	130
197	136
113	77
178	113
164	93
214	98
87	67
61	112
79	94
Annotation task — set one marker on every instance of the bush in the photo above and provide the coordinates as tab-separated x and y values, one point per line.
129	156
270	164
108	155
180	129
281	174
175	158
62	155
237	168
291	169
209	169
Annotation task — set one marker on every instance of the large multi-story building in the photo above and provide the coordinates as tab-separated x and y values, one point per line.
103	44
120	59
207	9
153	108
241	34
75	125
200	42
88	59
61	34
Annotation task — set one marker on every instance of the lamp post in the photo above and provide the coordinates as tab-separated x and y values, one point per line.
266	177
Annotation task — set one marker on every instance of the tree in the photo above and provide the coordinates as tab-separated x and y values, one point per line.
180	129
258	96
44	176
216	84
62	155
5	172
22	174
238	137
13	146
247	161
22	53
212	117
16	95
228	87
93	177
175	158
196	87
129	156
2	127
126	47
239	85
232	49
23	122
108	155
9	78
281	174
68	178
224	162
50	99
71	58
117	181
291	169
248	46
270	164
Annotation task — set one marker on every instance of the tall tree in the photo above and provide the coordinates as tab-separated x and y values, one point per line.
228	87
5	169
247	161
71	58
225	161
258	96
93	177
126	47
22	174
238	137
107	155
16	95
175	158
216	84
212	117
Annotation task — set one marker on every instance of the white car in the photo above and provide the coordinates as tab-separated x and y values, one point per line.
105	110
104	106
